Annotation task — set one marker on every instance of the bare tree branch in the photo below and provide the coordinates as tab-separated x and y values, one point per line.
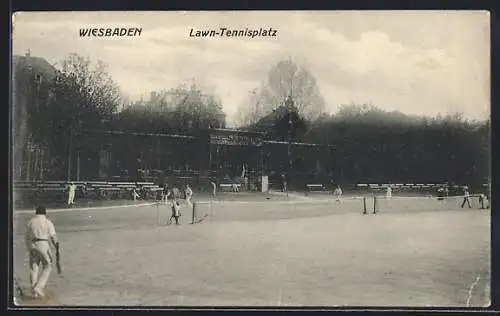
284	79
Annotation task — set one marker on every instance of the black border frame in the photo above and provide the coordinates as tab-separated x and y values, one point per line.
150	5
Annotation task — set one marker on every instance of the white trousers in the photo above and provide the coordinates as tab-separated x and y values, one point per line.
188	202
71	197
40	257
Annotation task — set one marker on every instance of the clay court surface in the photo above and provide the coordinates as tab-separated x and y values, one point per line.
271	251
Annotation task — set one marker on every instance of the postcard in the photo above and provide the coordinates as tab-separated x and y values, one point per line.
274	159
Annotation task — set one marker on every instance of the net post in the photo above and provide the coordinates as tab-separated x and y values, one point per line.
374	204
194	213
211	209
364	204
157	214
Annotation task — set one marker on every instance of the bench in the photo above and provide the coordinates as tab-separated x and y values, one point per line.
126	186
121	183
96	182
150	191
55	183
229	187
50	185
310	187
109	192
314	187
153	189
100	186
106	188
145	183
26	189
103	190
57	189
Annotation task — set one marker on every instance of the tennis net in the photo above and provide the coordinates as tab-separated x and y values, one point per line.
412	204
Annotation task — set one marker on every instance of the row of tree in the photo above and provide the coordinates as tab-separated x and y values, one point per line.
373	145
178	109
57	110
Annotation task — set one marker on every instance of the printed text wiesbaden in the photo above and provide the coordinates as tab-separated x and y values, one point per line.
111	32
225	32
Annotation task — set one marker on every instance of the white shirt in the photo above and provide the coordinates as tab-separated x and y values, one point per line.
39	227
338	191
189	193
175	208
72	188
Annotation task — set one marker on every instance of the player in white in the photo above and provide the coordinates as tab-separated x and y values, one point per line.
388	192
40	232
189	195
466	197
176	211
337	193
214	188
71	194
440	193
284	183
175	193
483	201
235	187
166	193
135	195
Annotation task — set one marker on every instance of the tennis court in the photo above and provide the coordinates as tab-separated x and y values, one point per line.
272	252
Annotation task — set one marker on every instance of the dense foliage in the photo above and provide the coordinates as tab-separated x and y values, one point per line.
67	112
176	110
373	145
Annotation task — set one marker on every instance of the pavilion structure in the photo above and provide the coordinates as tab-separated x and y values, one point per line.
215	152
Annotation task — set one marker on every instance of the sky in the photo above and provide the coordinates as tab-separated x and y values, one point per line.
416	62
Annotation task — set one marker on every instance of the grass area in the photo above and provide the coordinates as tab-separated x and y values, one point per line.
271	253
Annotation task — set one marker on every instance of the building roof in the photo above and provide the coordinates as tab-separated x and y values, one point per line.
267	122
38	64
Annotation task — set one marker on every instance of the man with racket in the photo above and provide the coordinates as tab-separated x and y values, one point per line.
165	193
189	195
388	192
484	198
176	211
214	187
71	194
40	232
337	193
440	193
135	195
466	197
284	183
